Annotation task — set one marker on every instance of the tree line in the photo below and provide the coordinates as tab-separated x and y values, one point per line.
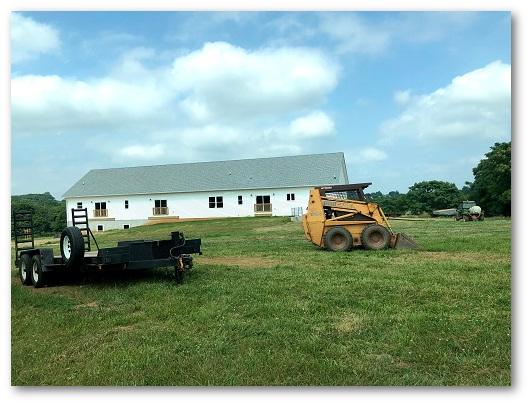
491	189
49	215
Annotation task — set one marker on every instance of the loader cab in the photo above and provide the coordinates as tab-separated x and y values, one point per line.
353	192
346	192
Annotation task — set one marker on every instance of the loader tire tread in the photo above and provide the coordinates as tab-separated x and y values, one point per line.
375	237
338	239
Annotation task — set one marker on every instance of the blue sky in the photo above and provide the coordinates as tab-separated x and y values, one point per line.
407	96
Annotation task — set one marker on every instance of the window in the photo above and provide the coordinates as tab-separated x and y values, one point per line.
160	207
263	203
126	204
239	200
263	199
79	205
215	202
100	228
126	226
290	196
101	209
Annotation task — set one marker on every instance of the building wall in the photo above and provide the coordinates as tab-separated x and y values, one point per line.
185	205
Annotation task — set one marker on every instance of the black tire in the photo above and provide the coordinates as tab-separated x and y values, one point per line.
72	247
24	269
38	278
338	239
375	237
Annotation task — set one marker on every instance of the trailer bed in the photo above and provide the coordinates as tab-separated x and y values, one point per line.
76	255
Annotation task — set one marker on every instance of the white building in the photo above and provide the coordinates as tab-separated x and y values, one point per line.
125	197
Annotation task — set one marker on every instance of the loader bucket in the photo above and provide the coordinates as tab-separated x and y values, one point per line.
402	241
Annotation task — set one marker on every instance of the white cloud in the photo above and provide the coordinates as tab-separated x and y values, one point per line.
474	105
313	125
353	34
402	97
218	98
30	38
54	104
217	83
143	151
369	33
370	154
233	83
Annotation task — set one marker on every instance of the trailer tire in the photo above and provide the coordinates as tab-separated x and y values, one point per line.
24	269
338	239
375	237
72	247
38	278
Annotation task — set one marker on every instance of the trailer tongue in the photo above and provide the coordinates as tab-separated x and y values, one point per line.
76	255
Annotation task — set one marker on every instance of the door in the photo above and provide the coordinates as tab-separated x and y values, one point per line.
263	203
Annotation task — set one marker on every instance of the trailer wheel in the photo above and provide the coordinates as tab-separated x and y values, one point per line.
72	246
375	237
37	275
338	239
24	268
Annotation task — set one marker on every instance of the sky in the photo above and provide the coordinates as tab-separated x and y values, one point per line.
407	96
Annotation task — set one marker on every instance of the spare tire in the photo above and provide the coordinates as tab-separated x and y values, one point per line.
72	247
338	239
375	237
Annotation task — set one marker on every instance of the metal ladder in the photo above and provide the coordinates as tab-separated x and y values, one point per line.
82	219
23	230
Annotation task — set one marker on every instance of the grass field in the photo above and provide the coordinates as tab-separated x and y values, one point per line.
263	306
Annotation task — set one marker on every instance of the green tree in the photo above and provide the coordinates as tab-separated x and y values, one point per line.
393	203
49	215
427	196
492	186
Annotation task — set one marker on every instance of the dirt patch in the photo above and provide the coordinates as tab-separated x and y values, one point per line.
349	323
124	328
247	261
93	304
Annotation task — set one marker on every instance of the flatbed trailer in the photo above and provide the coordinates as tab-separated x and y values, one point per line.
35	263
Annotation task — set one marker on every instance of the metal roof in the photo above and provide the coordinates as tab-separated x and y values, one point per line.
275	172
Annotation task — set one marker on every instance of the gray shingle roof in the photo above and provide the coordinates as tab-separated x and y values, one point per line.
286	171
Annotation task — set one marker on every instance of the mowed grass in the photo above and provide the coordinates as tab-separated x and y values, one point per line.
263	306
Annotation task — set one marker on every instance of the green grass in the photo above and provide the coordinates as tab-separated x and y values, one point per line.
263	306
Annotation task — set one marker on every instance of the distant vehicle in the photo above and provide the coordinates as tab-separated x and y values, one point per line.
469	211
466	211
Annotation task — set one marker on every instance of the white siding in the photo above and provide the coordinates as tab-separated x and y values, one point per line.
186	205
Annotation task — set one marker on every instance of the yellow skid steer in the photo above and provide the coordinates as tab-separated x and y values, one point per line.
339	217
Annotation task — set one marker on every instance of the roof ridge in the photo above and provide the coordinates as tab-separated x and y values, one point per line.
220	161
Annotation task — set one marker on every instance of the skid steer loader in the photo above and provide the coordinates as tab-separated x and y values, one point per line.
339	217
